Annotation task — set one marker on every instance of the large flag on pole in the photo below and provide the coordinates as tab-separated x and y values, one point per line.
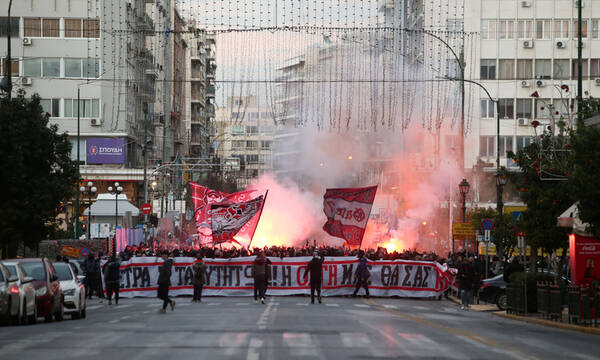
227	218
347	212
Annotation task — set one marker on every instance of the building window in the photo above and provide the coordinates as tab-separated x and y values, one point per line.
238	102
543	68
583	29
32	27
524	108
238	144
524	69
488	29
525	29
506	145
561	69
14	26
561	29
251	144
265	144
51	67
506	29
594	68
73	28
91	28
488	69
487	146
506	69
541	108
523	142
562	106
238	129
542	30
487	108
595	30
51	106
14	67
252	159
266	159
73	68
584	68
251	130
507	108
32	67
91	68
90	108
51	28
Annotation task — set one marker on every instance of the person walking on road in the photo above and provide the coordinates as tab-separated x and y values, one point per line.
199	279
315	267
465	283
164	281
260	269
362	274
112	277
92	270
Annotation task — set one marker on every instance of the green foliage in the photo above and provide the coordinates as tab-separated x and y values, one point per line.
37	175
532	278
545	199
586	171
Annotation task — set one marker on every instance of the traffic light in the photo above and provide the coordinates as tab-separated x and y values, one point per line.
82	228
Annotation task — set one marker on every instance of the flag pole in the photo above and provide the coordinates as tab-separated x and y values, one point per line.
258	220
368	217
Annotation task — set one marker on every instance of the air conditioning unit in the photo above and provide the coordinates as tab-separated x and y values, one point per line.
525	4
577	2
522	122
561	44
528	44
597	81
525	83
96	122
26	80
540	83
27	41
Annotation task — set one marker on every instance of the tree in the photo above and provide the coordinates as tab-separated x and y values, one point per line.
547	157
502	236
586	172
38	173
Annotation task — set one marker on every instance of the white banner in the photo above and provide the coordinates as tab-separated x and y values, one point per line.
233	277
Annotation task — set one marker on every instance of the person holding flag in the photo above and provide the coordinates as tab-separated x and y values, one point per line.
315	267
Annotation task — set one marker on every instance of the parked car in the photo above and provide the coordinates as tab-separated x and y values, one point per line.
9	296
48	294
493	291
72	287
27	306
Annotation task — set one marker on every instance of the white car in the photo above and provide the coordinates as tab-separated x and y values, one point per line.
27	305
73	289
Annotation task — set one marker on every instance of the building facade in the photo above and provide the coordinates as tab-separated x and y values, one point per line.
244	139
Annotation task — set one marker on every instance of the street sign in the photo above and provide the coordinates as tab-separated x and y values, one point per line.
521	242
69	251
462	229
487	235
146	208
84	251
479	238
487	224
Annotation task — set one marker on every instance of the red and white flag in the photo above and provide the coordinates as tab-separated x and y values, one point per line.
228	218
203	197
347	212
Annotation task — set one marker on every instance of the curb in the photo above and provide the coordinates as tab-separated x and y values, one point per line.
554	324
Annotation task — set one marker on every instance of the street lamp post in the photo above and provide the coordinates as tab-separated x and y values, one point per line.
90	191
116	191
463	187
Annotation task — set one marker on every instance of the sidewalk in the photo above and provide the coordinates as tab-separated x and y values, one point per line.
531	319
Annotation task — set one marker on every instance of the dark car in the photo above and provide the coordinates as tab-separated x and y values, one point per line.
493	291
48	294
9	296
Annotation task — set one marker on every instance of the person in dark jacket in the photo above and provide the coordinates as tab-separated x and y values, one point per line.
92	270
199	279
260	269
315	267
465	282
164	281
513	266
362	274
112	277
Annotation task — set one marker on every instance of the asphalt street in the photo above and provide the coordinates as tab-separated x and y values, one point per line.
291	328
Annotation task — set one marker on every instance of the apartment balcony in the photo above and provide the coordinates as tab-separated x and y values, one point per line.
152	72
210	91
146	56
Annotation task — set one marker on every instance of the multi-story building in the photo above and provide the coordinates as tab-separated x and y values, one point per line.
199	107
244	132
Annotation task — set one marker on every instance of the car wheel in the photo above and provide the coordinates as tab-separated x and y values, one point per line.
32	319
501	301
15	319
24	313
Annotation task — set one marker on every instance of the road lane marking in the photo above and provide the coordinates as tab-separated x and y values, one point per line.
93	307
113	321
355	340
213	303
253	352
302	304
124	306
242	304
125	317
333	305
300	344
390	306
361	305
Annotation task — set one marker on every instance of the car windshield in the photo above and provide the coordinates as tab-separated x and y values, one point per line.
12	269
63	271
35	270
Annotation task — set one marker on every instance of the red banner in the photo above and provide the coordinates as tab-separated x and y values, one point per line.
347	212
227	218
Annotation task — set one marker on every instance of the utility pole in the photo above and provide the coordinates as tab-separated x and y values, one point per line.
579	66
78	159
8	55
